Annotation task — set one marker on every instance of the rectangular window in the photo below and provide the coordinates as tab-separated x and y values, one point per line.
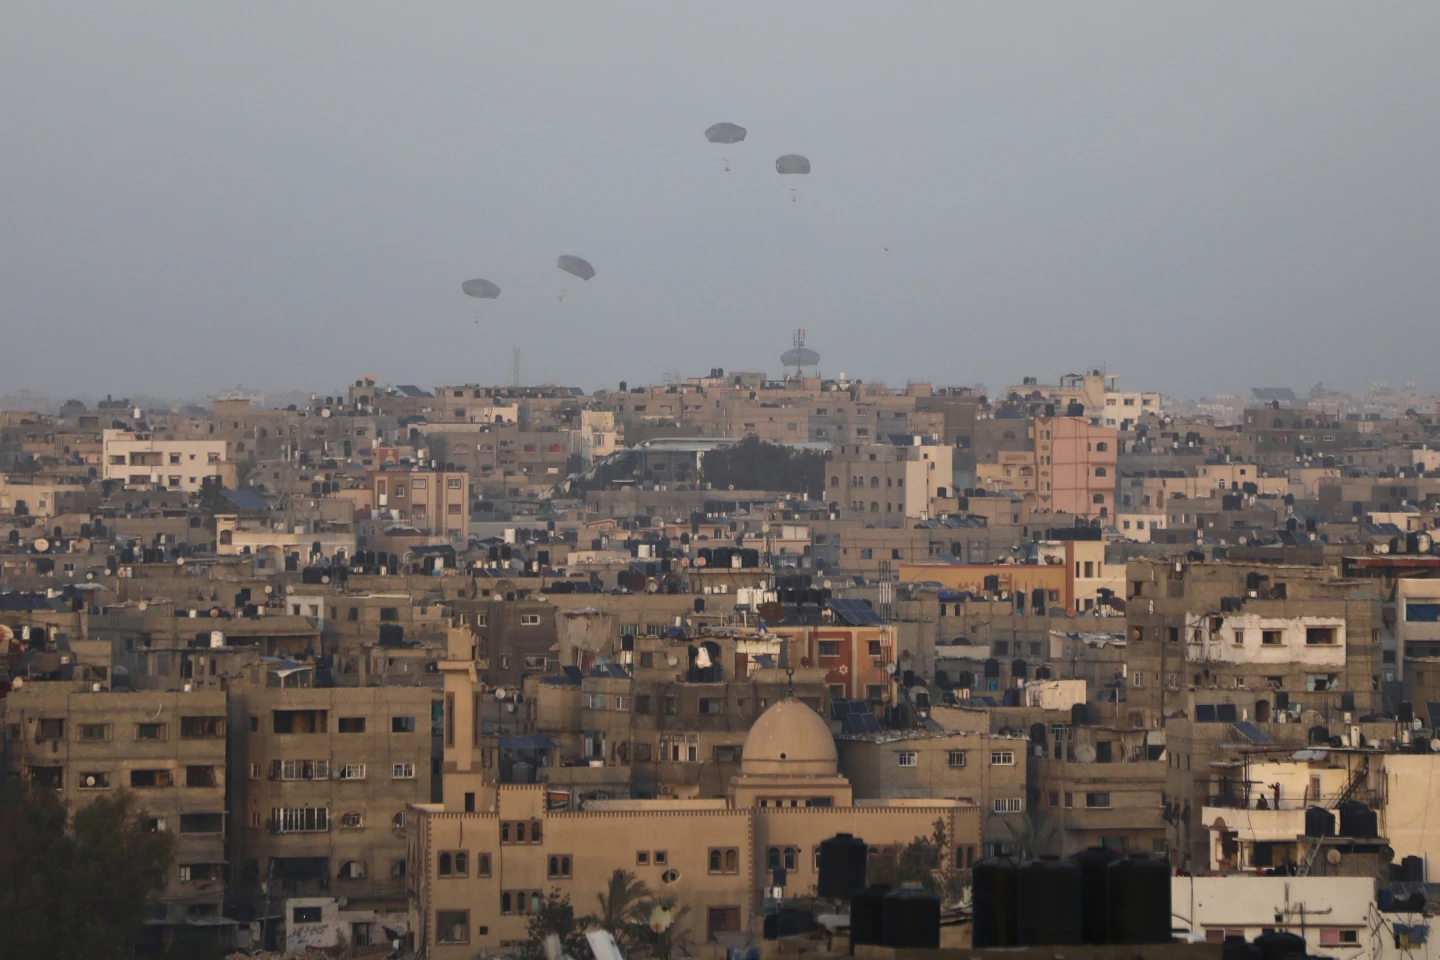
905	758
642	858
1008	804
93	732
452	926
299	820
150	731
1002	758
200	776
402	724
151	778
557	866
1097	799
202	727
352	724
711	706
1268	638
402	771
642	704
530	620
1320	636
957	758
829	648
202	823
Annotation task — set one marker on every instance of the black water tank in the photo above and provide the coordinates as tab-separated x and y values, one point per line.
1047	898
1095	895
842	867
867	913
1279	945
1406	712
992	667
994	879
1420	744
1018	669
1235	948
1319	822
1282	701
1319	736
1140	900
1412	870
911	918
1079	716
1358	821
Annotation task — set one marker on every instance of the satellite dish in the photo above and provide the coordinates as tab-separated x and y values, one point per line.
142	606
80	545
215	612
672	660
89	574
891	668
325	412
1332	856
269	589
499	693
41	544
90	780
1084	753
804	661
701	561
325	578
826	584
179	561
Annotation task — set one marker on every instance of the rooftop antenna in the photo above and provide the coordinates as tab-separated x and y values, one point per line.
799	355
515	367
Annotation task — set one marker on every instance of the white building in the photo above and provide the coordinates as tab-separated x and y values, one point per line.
1337	916
140	461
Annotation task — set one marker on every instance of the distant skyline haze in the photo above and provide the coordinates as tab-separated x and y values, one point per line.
1199	197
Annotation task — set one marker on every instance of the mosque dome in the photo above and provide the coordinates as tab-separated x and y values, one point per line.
789	739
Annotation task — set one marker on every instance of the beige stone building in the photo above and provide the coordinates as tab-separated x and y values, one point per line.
168	748
476	876
322	777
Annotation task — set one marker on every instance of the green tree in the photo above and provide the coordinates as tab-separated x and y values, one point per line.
1034	834
79	889
753	464
556	915
927	860
619	904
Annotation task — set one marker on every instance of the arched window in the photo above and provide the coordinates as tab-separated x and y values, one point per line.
227	537
792	855
1102	446
772	858
504	903
889	481
715	861
1100	472
446	866
732	861
834	481
1098	498
874	507
520	832
874	481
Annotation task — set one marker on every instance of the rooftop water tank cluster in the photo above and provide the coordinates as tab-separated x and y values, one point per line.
880	915
1096	897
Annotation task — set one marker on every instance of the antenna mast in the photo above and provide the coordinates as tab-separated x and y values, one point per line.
515	367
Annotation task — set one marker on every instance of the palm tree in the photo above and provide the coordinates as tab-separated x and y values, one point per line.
618	903
1033	835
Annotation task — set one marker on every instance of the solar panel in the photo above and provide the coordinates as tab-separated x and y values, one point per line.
856	613
870	724
1250	732
858	706
572	674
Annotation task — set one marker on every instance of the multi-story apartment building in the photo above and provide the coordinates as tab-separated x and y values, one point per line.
433	501
888	486
321	778
1075	466
168	748
140	461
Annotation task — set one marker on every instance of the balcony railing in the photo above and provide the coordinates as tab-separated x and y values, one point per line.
1371	798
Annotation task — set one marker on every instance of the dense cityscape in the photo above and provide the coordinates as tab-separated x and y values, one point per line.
745	481
438	671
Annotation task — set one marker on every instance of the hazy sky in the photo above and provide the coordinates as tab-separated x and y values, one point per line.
1201	196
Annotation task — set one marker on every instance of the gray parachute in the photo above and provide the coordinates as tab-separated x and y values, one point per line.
792	163
725	133
483	289
577	266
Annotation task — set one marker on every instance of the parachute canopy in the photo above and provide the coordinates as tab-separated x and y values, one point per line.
792	163
725	133
483	289
578	266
